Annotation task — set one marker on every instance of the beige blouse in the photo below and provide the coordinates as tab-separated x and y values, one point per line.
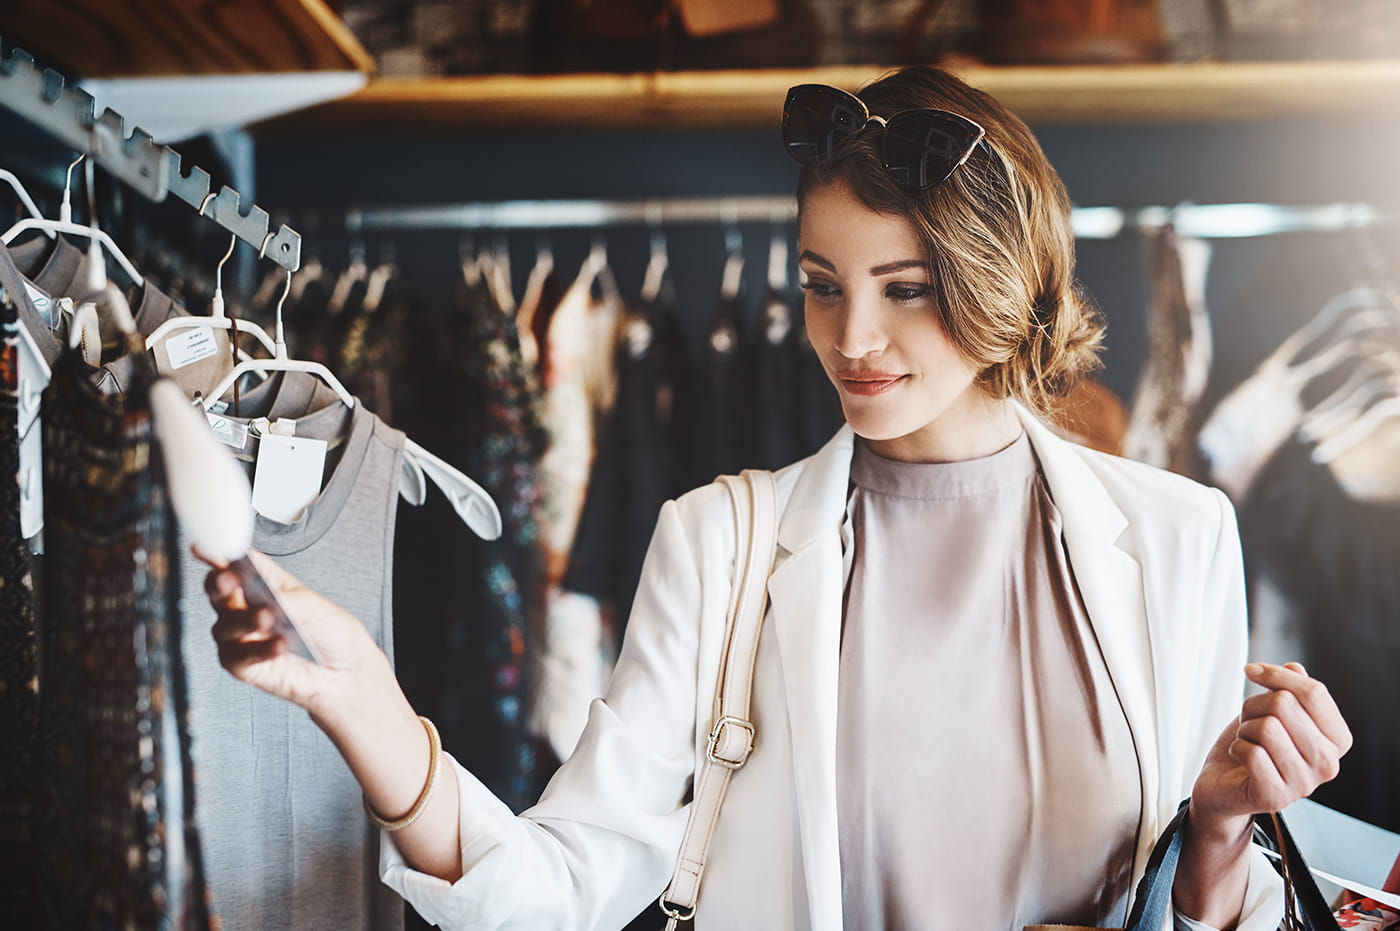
986	775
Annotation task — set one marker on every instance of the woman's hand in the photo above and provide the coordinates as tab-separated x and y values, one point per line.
1286	742
252	650
354	698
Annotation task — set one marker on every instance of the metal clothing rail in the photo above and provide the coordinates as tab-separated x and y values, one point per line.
1204	221
70	114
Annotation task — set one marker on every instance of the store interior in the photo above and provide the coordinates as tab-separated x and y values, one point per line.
435	156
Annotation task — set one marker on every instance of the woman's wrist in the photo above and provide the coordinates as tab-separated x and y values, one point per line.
1214	869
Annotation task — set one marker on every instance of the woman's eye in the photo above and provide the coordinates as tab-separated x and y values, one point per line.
820	289
907	293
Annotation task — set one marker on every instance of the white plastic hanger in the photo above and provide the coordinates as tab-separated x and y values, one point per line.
471	502
279	363
24	198
65	224
217	319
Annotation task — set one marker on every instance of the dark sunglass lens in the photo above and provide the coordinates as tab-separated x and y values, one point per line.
922	149
817	120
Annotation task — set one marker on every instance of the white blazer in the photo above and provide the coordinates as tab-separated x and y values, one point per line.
1157	560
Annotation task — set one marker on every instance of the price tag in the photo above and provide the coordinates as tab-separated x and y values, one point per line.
190	347
287	477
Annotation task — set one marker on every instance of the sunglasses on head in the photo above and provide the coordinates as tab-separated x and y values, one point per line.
920	148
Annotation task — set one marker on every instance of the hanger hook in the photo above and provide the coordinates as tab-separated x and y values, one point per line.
204	204
68	180
280	337
219	269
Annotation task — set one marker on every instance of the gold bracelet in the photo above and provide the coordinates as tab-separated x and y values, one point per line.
434	751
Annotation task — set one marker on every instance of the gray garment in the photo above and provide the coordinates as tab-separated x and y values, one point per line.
286	842
986	776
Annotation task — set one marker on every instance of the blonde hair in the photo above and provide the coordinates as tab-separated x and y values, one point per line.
997	236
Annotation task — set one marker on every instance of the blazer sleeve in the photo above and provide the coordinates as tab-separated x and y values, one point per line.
1218	694
601	843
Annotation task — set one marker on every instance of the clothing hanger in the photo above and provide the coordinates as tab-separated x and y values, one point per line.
65	224
356	271
471	502
659	261
733	275
497	272
1377	376
216	319
777	315
598	267
279	363
384	271
24	198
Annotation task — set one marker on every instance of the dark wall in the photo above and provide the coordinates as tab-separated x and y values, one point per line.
1259	289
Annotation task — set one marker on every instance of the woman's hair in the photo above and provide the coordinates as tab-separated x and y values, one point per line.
997	236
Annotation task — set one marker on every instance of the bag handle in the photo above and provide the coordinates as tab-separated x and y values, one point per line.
1305	908
754	496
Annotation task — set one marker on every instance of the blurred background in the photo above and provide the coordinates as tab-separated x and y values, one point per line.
486	151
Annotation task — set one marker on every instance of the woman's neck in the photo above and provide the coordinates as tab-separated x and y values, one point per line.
966	432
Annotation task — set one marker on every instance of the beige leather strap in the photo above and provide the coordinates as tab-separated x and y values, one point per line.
732	736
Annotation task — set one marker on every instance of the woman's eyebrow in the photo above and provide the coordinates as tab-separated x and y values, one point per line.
889	268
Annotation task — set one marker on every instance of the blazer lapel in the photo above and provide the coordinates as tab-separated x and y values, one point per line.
1111	585
805	589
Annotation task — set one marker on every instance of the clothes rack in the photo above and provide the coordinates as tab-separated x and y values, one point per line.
1203	221
71	115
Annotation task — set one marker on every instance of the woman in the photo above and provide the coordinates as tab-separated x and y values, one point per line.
993	664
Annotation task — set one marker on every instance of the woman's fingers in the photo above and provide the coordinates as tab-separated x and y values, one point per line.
1309	694
1290	738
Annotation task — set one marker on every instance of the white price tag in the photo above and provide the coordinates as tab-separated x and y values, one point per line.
229	432
190	346
287	476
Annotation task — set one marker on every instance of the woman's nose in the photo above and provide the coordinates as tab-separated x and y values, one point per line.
861	331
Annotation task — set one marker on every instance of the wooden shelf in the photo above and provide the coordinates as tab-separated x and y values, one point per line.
160	38
706	100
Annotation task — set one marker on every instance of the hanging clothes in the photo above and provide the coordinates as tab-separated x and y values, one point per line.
580	385
636	468
1163	415
263	765
19	647
1333	560
118	842
720	428
793	411
462	604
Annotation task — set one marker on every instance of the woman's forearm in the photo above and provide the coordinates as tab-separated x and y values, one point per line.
387	748
1213	874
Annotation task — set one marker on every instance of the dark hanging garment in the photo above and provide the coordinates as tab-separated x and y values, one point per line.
716	440
775	373
636	467
1333	557
19	653
115	805
461	603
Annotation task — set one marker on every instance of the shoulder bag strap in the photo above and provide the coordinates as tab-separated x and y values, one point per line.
732	736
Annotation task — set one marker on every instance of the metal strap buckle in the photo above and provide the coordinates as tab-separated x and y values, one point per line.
711	749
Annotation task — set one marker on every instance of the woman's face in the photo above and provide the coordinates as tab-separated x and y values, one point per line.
873	319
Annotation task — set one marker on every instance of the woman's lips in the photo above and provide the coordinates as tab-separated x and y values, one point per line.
869	383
